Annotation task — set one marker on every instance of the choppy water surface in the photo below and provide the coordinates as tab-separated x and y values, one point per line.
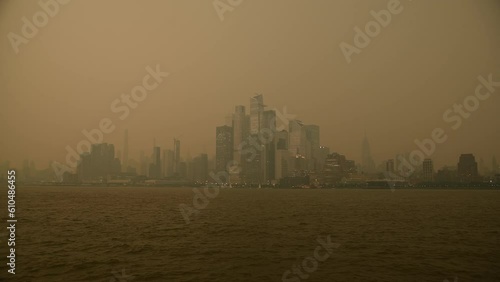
139	234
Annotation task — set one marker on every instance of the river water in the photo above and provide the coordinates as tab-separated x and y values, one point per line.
139	234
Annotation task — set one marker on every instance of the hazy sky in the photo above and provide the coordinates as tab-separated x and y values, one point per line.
428	58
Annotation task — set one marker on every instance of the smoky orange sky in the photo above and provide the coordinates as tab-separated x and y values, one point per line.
423	62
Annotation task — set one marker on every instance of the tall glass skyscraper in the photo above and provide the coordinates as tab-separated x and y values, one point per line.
177	155
223	147
256	111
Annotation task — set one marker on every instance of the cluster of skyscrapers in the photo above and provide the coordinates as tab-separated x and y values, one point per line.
258	146
253	147
100	164
466	171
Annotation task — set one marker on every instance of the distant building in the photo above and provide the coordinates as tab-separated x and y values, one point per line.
404	169
467	168
282	158
300	166
99	163
295	181
125	152
182	171
349	168
223	147
298	138
367	162
312	146
240	131
143	164
256	111
333	170
446	174
168	163
70	177
266	136
155	171
84	169
177	156
323	152
200	168
428	170
337	167
26	172
389	165
304	145
133	166
254	163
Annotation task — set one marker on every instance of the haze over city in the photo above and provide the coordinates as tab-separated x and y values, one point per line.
238	140
396	90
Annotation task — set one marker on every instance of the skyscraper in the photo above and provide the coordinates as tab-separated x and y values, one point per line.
155	166
312	146
84	167
428	170
177	156
200	168
256	111
240	132
143	163
467	168
99	163
118	154
125	151
323	152
223	147
282	156
367	163
446	174
168	163
297	135
254	163
389	165
333	168
338	167
268	126
402	166
182	171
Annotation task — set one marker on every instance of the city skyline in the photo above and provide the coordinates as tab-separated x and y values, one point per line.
365	160
256	147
